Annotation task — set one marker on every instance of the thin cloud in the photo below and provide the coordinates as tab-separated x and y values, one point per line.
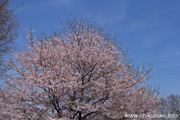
40	6
168	66
137	25
113	16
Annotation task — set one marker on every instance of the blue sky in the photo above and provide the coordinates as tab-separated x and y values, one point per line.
149	29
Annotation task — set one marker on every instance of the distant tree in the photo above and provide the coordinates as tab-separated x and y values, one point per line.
76	75
173	103
170	105
8	31
163	107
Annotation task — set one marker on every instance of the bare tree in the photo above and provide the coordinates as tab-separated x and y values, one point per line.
8	31
171	105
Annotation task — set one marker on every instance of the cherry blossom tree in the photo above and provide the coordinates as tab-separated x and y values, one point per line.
77	75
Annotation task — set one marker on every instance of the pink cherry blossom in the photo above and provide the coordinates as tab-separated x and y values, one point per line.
79	75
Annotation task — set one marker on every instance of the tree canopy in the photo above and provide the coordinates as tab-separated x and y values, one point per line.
78	74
